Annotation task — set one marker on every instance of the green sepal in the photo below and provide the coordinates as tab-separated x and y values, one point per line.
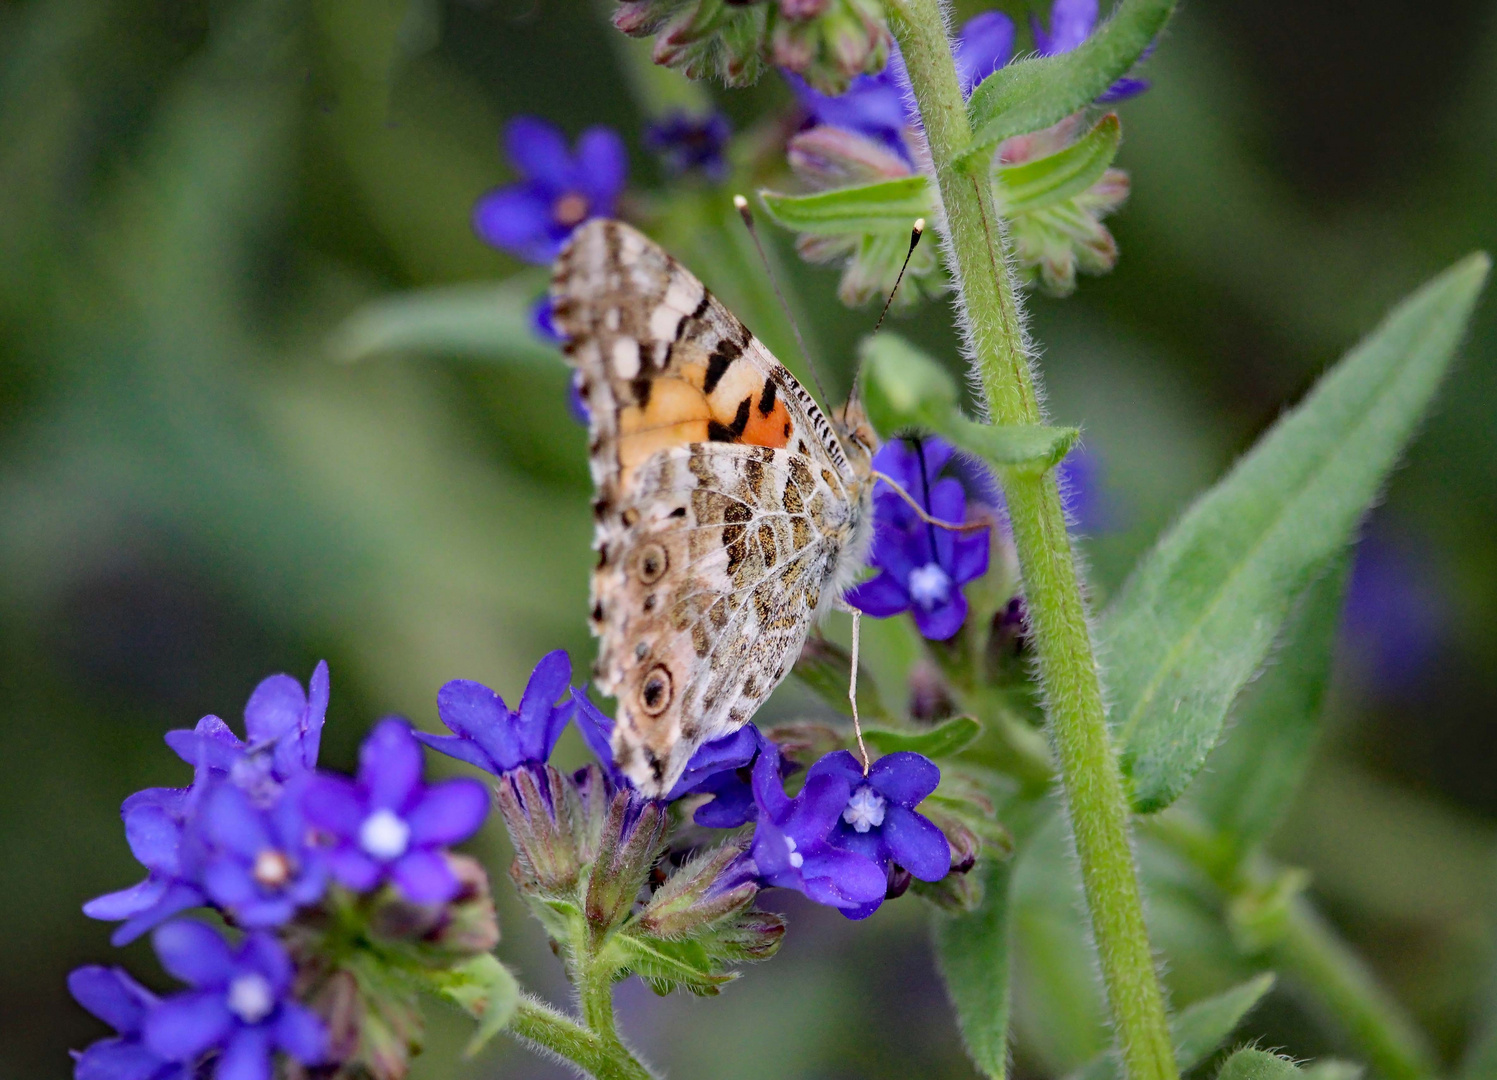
667	965
1028	447
1197	1032
1258	1065
943	741
485	989
885	206
1046	181
1031	95
479	322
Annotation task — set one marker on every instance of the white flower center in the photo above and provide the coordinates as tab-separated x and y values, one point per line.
384	835
251	998
272	868
929	585
865	810
796	858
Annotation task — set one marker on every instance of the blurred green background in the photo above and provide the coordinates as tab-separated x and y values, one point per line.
193	197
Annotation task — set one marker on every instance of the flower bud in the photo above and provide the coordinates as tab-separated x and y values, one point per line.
749	936
441	933
706	889
632	839
373	1017
542	812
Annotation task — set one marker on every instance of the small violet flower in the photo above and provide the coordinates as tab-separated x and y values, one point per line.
122	1003
922	567
260	865
790	845
720	768
558	189
688	143
1071	23
284	728
491	737
240	1004
879	820
156	829
389	826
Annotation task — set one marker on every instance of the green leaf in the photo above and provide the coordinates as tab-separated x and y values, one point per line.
666	965
973	951
1022	446
889	205
1259	764
484	988
1047	181
943	741
1198	1031
902	387
1196	618
482	322
1258	1065
1031	95
826	669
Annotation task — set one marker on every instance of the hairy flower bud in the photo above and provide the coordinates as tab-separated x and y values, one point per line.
750	936
464	926
542	812
633	838
707	889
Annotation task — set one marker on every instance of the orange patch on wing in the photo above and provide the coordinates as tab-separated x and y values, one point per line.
772	429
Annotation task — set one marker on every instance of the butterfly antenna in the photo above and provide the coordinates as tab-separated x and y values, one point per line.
915	233
741	204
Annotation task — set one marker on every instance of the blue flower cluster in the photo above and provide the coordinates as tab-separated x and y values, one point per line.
846	840
260	835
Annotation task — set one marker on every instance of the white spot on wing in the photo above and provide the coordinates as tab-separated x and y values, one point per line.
664	322
684	294
626	357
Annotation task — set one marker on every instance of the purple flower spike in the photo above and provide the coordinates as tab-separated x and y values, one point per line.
922	566
389	826
283	724
689	143
240	1004
156	830
790	841
495	739
122	1003
879	820
558	189
720	768
261	867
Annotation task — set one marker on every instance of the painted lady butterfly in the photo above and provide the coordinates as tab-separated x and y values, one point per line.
730	513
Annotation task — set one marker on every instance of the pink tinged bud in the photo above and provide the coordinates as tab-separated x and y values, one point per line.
835	157
542	812
802	9
705	890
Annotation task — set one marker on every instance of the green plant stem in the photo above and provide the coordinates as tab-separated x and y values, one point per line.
544	1026
1093	784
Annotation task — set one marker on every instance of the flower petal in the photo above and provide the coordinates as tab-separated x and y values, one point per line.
263	953
941	623
880	597
178	897
986	44
473	710
548	682
769	790
604	166
424	877
595	727
817	809
538	151
354	869
916	844
228	882
117	1059
334	803
460	747
390	765
843	879
300	1032
732	805
448	812
154	836
839	763
969	557
126	902
1071	23
111	995
904	777
730	752
182	1027
275	707
194	952
247	1057
231	821
516	219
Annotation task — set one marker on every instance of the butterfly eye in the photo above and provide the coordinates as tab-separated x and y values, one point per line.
653	562
655	694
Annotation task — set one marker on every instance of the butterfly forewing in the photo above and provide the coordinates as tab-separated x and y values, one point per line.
725	504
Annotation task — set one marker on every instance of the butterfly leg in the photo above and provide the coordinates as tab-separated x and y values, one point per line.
852	688
920	511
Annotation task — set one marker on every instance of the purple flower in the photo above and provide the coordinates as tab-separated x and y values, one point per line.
558	189
790	845
260	866
1395	617
492	737
921	566
389	826
284	728
240	1004
156	829
1080	478
720	768
122	1003
1071	23
691	143
879	820
542	324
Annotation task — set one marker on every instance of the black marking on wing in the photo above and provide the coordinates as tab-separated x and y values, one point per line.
719	432
766	399
718	363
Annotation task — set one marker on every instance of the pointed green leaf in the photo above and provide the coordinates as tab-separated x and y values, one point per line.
1034	185
1261	760
941	741
1021	446
1258	1065
973	950
666	965
482	322
484	988
1198	1031
1031	95
889	205
1196	618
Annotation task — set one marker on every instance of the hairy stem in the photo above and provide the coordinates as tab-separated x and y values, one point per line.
545	1027
1093	784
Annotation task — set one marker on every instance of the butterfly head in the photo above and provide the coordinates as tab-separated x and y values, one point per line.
857	435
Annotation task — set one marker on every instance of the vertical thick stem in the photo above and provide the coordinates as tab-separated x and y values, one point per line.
1093	784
